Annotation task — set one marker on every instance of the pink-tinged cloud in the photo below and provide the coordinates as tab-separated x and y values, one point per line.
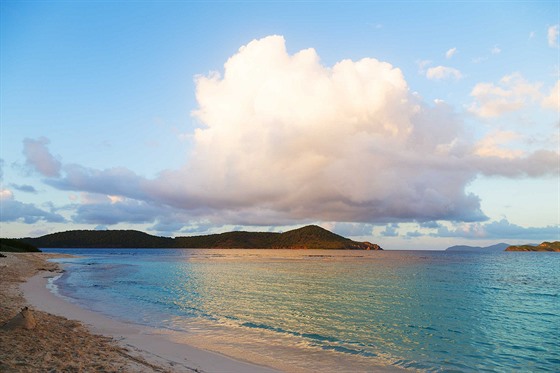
39	158
501	229
552	100
285	139
12	210
511	93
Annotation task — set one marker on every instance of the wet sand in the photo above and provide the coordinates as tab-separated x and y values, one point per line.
70	339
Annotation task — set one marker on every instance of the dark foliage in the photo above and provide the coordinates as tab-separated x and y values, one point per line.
310	237
16	246
100	239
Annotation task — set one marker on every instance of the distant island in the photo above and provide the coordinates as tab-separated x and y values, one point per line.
308	237
545	246
479	249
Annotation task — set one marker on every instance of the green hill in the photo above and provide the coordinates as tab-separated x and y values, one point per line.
545	246
309	237
16	246
108	238
231	240
315	237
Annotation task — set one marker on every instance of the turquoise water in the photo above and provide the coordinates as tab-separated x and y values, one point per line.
426	311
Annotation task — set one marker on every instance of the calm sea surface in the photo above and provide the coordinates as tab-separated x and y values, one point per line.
347	310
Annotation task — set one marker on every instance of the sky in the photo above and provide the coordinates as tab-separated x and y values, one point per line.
410	124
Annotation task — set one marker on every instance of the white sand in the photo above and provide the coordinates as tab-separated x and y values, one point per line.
150	343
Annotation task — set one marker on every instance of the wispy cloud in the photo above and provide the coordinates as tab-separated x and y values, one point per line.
450	53
423	65
552	35
494	51
443	72
24	188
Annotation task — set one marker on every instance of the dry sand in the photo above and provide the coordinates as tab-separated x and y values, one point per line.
96	343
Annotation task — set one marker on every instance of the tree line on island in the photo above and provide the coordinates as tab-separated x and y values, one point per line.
545	246
309	237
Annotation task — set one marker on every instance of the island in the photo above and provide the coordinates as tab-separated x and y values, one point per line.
479	249
545	246
308	237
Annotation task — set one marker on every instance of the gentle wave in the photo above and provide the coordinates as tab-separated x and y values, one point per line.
427	311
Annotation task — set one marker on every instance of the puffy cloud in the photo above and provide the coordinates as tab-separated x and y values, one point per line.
450	53
443	72
117	181
413	234
429	224
512	93
552	36
552	100
423	65
391	230
493	145
496	50
285	139
343	143
350	229
12	210
39	158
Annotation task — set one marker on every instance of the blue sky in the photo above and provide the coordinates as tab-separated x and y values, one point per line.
410	124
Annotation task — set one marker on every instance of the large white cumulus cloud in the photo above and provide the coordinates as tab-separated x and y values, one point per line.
347	143
284	139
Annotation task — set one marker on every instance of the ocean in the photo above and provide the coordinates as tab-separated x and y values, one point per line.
343	311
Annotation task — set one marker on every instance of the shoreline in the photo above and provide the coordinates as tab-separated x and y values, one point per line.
134	347
151	343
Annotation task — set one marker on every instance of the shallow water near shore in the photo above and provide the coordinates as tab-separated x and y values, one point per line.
344	310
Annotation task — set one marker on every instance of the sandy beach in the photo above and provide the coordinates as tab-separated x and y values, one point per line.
70	339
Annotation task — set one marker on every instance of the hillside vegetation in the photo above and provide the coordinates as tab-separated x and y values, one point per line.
108	238
16	246
309	237
545	246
